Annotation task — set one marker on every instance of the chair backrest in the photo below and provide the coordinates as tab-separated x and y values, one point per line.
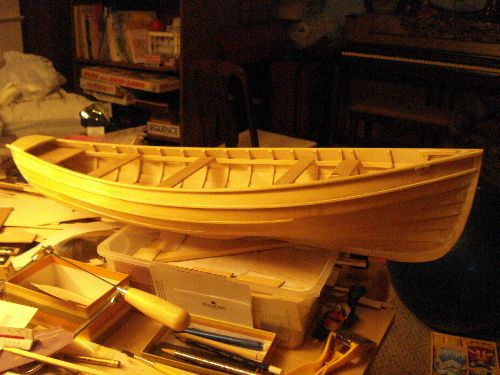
221	99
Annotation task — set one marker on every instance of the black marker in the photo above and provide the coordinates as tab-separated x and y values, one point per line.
254	365
207	363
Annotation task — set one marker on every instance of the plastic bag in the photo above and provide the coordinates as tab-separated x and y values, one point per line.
34	76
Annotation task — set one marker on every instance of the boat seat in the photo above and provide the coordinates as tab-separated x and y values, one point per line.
185	172
346	168
59	155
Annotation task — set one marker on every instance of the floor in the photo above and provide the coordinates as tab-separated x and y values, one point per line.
406	350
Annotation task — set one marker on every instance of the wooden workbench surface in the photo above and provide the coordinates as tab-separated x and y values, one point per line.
137	330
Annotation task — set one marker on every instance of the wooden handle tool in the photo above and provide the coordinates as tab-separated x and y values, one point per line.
167	313
54	361
157	308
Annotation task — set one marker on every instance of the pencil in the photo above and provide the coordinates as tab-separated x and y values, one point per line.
253	365
238	341
247	353
207	363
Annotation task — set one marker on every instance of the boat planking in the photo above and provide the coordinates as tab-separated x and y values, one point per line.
402	204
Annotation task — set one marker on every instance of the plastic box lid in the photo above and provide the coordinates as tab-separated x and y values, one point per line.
302	271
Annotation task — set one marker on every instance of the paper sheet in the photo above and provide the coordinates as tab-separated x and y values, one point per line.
47	211
71	231
15	315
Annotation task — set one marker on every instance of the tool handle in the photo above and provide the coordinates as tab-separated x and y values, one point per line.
167	313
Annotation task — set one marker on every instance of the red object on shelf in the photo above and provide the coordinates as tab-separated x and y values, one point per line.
157	25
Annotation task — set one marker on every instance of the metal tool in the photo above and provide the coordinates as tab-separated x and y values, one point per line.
167	313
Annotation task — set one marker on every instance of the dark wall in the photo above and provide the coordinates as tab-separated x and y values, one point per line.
47	32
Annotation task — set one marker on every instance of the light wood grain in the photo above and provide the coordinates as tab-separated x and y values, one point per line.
406	205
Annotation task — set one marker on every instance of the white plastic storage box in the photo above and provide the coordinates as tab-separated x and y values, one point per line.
286	309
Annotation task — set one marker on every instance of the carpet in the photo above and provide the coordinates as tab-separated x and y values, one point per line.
407	347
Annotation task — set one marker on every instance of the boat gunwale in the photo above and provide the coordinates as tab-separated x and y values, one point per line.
470	171
466	154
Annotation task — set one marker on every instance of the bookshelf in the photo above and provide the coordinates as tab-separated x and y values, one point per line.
112	61
201	23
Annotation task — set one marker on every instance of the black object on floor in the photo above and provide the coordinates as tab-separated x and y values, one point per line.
460	292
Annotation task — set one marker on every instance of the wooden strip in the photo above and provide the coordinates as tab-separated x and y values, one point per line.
441	64
54	361
294	172
18	186
16	235
346	168
32	141
197	247
261	280
255	355
242	161
58	155
110	167
184	173
4	214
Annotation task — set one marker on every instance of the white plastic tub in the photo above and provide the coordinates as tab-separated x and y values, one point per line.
286	309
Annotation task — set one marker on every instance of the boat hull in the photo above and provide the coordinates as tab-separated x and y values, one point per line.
409	214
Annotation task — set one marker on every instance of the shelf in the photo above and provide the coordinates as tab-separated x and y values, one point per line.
173	68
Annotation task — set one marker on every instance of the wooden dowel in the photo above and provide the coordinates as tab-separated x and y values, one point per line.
54	361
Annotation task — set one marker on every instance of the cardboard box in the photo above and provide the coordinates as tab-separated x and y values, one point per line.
165	337
284	284
67	295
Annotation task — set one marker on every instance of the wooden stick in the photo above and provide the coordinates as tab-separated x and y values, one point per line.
53	361
184	173
247	353
104	170
294	172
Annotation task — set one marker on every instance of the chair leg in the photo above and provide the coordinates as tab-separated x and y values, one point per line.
352	132
254	137
368	133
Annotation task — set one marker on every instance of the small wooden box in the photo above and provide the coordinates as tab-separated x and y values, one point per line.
166	336
52	271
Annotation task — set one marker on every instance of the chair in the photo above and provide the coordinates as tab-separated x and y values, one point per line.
222	102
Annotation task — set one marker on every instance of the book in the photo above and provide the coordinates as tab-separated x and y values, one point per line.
127	99
77	31
95	14
138	44
102	87
88	30
152	82
118	23
163	129
462	355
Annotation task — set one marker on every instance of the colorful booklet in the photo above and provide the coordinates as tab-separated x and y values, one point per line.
456	355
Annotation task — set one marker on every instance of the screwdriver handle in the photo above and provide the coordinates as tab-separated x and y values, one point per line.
157	308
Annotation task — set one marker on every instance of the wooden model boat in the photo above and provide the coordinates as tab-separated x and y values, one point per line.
407	205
